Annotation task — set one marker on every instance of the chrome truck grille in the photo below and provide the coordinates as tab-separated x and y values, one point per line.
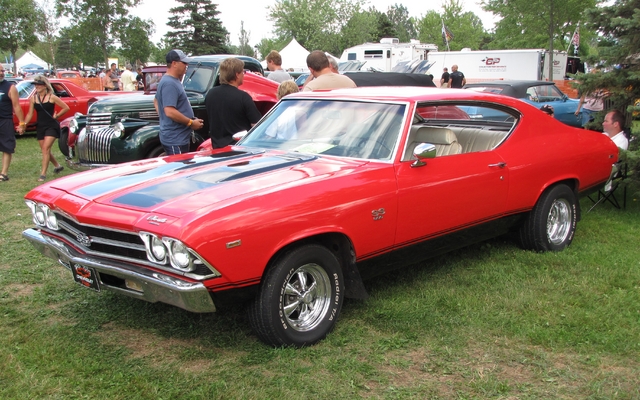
98	120
93	145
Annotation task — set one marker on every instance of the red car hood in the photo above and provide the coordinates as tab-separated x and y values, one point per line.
196	182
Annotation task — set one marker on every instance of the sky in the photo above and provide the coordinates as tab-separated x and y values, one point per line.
254	14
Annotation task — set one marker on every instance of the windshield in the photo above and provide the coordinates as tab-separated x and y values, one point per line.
340	128
25	89
198	78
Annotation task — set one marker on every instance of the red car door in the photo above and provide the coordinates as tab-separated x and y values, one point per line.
449	193
67	97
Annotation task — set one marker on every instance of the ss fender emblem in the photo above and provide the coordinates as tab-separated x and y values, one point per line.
377	214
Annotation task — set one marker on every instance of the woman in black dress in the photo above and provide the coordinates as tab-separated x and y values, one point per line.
48	127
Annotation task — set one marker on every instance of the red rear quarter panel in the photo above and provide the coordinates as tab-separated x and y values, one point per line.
544	151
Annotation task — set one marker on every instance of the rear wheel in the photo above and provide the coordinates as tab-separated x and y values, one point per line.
300	298
551	224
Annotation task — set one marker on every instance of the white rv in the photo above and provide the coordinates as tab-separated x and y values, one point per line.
481	65
385	55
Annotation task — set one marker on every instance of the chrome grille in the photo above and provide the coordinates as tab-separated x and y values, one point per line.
98	120
93	146
115	244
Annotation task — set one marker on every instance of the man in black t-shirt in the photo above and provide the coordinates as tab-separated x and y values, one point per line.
444	80
230	110
456	78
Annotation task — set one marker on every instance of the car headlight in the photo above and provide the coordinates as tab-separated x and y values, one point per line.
157	248
179	255
169	251
118	130
156	252
43	215
73	126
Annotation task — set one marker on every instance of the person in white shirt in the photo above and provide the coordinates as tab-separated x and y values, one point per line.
128	79
612	126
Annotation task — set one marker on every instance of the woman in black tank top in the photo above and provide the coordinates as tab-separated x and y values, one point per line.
44	103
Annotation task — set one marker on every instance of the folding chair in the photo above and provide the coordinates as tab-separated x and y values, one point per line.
608	192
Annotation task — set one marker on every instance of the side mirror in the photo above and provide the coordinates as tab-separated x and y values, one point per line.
423	152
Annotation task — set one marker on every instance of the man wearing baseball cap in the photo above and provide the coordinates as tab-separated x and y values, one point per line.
172	104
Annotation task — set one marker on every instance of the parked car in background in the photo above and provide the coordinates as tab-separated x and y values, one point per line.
120	129
77	98
68	74
536	93
329	188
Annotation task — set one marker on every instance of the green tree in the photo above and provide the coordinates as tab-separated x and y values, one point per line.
316	24
362	27
384	27
96	23
402	23
266	45
47	29
466	27
618	52
134	39
18	20
245	48
527	24
196	28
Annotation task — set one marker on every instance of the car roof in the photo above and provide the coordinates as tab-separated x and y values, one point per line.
510	88
405	93
390	79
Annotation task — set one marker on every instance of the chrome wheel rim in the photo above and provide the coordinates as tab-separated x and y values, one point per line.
306	297
559	221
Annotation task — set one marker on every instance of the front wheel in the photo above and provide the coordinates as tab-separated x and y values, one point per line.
156	152
300	298
63	142
551	224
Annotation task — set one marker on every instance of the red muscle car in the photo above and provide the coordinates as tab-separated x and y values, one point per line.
329	188
77	98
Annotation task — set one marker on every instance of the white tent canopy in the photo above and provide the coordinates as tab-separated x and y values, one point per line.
294	56
30	58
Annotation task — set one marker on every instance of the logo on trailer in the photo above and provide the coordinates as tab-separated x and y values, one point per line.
491	61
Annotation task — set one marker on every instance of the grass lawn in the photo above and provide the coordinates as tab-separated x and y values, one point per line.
490	321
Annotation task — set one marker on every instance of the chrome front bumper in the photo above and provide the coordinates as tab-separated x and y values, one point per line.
112	275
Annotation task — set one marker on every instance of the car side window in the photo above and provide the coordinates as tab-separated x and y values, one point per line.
484	128
532	94
547	93
59	90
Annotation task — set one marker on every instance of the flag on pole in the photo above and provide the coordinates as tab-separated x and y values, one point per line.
576	37
447	36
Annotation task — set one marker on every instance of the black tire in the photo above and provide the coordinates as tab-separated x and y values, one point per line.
63	144
156	152
551	224
300	298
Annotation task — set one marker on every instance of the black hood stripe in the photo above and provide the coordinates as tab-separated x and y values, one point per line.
109	185
155	194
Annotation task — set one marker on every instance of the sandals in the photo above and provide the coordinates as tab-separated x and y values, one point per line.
3	178
57	170
42	178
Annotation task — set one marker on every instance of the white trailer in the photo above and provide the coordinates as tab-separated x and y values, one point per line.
481	65
385	55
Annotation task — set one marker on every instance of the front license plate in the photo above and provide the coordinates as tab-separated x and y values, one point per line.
86	276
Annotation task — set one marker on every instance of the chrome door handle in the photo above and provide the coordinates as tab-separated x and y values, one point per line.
500	165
